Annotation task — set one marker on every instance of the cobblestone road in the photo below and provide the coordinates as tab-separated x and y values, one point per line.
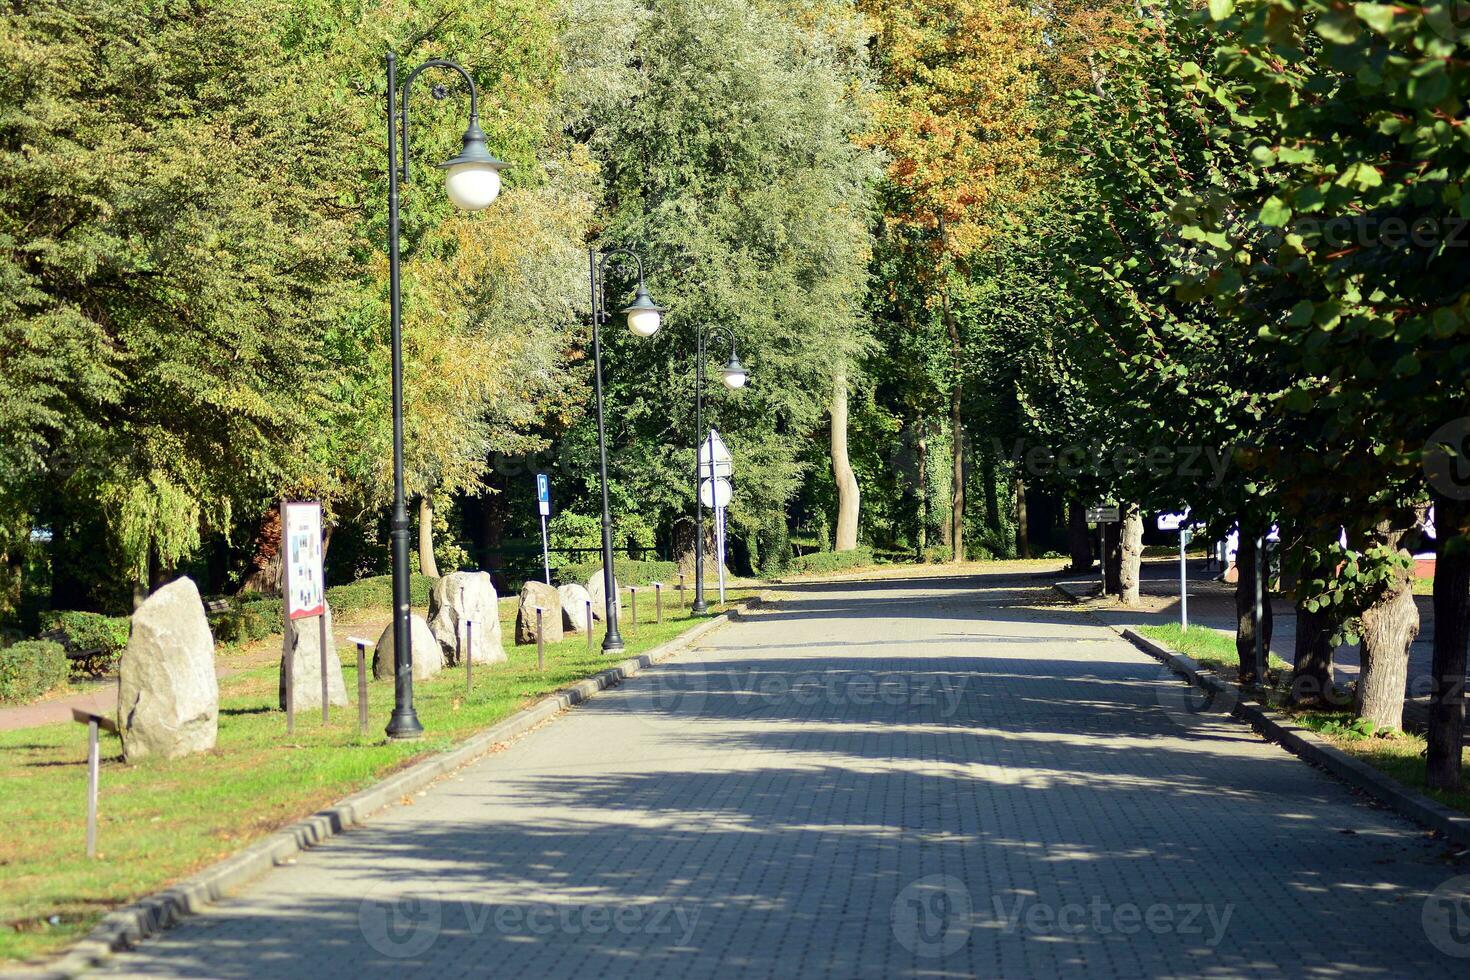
941	777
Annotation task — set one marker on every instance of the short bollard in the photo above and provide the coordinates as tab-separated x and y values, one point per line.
362	706
633	602
469	656
322	649
540	642
589	625
681	590
658	602
94	768
290	654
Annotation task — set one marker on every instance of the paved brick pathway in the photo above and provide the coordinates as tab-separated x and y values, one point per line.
943	777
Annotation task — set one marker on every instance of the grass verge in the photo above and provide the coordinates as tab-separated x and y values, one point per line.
160	822
1399	755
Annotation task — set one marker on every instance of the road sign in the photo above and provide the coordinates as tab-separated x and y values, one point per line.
1173	522
716	493
543	504
714	455
1103	514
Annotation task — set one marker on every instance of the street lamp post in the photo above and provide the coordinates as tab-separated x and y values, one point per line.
733	374
644	318
472	182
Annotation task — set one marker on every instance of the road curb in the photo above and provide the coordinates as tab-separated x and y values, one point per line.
1303	742
126	927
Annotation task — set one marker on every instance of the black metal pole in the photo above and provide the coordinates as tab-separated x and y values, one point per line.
405	721
612	640
700	607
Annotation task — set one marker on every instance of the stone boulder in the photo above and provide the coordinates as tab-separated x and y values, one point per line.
306	667
574	601
462	597
536	595
428	656
168	697
599	601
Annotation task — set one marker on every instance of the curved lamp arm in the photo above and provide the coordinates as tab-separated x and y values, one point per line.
717	328
408	85
614	253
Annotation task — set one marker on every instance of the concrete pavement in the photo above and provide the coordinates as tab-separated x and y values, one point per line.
924	777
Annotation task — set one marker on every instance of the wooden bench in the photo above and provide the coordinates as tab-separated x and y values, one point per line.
90	661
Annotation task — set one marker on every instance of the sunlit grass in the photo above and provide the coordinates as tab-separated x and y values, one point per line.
1206	646
161	821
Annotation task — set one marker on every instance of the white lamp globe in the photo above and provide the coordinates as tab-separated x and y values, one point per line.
734	374
472	186
644	316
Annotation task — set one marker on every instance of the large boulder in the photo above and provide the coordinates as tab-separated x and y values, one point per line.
428	656
599	600
574	600
306	667
462	597
538	595
168	697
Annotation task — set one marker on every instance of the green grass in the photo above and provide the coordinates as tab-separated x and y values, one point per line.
1208	647
159	822
1399	755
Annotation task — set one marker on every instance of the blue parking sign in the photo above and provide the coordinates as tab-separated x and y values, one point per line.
543	494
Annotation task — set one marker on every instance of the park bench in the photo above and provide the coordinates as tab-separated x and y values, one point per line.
92	661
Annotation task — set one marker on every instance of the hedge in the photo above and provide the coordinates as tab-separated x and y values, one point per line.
31	668
627	571
92	631
823	562
254	617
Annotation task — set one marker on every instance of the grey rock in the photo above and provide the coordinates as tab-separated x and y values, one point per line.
599	601
168	696
536	595
467	597
306	667
574	600
428	656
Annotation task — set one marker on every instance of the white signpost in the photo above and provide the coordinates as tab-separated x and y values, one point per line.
303	584
543	505
716	466
1180	522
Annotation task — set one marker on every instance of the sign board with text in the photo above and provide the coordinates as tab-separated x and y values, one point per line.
1103	514
302	580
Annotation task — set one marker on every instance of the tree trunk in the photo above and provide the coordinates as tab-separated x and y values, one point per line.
1389	626
1130	554
1451	630
1311	672
957	497
1023	530
1079	538
923	477
848	497
427	565
1245	607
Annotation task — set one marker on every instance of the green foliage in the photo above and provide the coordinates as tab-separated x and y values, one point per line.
626	570
31	668
92	631
247	619
937	554
828	562
377	592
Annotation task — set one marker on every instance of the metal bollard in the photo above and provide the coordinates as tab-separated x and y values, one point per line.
589	625
322	643
362	685
658	602
469	656
289	646
633	600
681	590
540	642
94	766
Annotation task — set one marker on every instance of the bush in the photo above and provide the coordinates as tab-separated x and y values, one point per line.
377	592
826	562
250	618
628	572
31	668
937	554
91	631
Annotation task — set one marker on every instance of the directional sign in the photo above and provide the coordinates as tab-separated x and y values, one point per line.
716	493
543	494
712	452
1103	514
1173	522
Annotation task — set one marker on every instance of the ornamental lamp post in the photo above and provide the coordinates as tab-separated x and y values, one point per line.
644	318
472	182
734	375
